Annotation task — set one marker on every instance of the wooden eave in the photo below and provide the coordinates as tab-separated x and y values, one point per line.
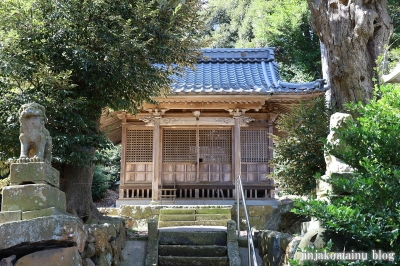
225	101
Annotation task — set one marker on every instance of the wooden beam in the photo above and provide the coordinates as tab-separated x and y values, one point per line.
123	154
204	105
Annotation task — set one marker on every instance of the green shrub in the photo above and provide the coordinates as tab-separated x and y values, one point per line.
370	213
100	183
298	154
106	172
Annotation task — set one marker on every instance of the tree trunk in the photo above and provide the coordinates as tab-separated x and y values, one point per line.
77	183
354	33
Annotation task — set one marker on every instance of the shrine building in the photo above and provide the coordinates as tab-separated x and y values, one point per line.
217	124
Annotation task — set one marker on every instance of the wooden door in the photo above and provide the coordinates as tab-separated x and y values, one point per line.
215	155
197	155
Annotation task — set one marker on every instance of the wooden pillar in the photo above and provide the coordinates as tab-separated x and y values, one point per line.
156	159
236	156
271	120
122	116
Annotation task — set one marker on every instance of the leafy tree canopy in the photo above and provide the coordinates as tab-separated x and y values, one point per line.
76	57
258	23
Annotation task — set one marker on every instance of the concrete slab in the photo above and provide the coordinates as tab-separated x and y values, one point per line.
134	253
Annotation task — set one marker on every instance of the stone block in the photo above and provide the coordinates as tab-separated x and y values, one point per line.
32	197
10	216
231	231
41	213
274	250
233	254
59	256
66	230
34	172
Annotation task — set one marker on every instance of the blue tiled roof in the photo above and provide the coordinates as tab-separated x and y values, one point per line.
238	71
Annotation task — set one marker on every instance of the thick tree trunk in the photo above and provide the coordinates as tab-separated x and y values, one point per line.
77	183
354	33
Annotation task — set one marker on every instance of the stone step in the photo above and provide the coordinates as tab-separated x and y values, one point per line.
192	261
177	217
217	238
177	211
162	224
214	211
205	217
193	217
192	250
213	222
206	210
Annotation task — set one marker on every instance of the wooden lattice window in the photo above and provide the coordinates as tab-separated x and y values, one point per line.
179	145
139	145
254	145
215	146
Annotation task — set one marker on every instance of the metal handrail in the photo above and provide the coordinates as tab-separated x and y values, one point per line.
250	245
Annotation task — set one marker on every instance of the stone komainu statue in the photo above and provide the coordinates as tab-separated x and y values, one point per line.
35	139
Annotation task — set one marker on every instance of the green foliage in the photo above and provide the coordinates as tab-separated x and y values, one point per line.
276	23
299	155
106	172
393	58
110	161
370	213
4	169
100	183
76	57
3	183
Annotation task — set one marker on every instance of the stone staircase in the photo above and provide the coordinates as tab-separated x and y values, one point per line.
194	217
195	236
183	247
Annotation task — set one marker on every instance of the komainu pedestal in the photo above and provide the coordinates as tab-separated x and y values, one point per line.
34	173
32	197
33	192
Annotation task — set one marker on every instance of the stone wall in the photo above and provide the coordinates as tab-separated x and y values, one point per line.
272	217
63	239
276	248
